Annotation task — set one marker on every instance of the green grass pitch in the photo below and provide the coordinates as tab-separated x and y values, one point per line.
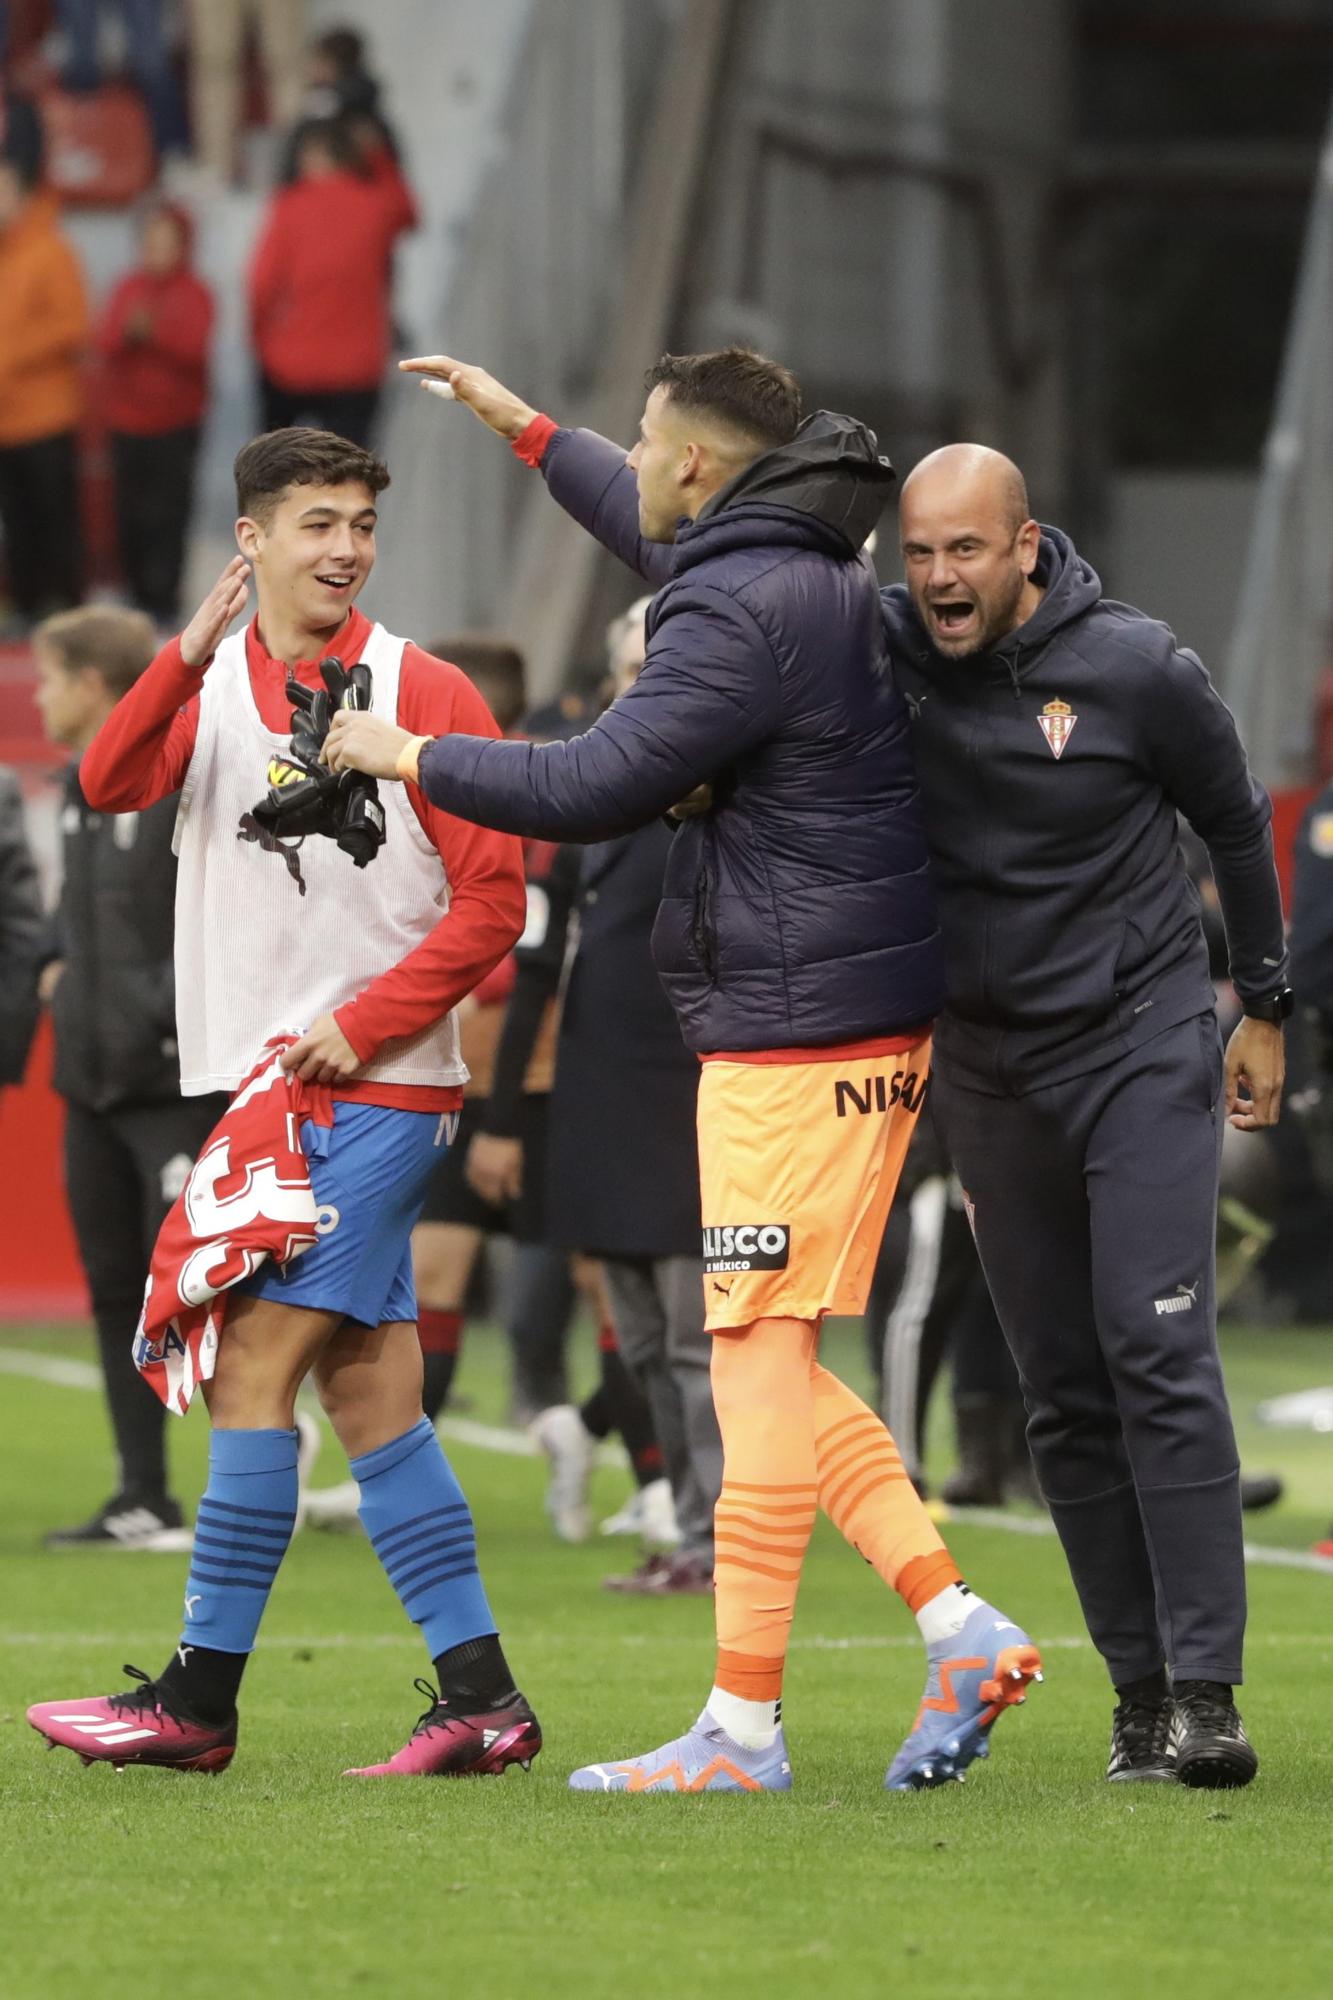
280	1880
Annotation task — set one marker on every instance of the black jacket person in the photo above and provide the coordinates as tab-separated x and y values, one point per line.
130	1138
1078	1071
22	934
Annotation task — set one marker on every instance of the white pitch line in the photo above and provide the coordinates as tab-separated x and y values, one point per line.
1262	1553
56	1368
67	1374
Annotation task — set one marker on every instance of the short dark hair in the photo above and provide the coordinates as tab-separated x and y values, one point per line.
344	47
270	465
742	389
331	135
495	668
116	642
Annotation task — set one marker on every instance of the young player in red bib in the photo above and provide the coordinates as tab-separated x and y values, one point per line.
373	947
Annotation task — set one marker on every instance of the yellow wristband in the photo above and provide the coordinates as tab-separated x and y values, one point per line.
409	757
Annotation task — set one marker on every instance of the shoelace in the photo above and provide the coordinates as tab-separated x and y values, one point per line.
431	1718
439	1713
1144	1726
147	1695
1211	1712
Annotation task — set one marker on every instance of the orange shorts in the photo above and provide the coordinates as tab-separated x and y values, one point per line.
799	1156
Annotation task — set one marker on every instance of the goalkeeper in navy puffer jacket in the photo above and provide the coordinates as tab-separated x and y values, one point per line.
797	940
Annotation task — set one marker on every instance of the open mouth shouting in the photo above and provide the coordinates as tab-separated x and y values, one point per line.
952	619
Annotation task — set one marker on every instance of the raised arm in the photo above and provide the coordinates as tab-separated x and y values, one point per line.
143	749
708	693
586	473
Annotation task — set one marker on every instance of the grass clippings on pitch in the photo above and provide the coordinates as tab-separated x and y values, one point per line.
280	1879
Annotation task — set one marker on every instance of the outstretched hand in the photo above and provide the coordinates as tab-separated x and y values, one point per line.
498	408
360	742
225	601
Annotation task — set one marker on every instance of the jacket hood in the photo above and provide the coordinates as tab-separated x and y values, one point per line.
832	471
1070	588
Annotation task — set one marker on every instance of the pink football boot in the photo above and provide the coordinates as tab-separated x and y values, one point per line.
448	1744
137	1727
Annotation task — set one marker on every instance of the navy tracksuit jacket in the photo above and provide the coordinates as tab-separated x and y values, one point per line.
799	911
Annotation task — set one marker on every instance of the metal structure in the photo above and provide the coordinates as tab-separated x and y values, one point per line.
1284	627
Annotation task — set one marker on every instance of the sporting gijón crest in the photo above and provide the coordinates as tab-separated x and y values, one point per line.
1057	721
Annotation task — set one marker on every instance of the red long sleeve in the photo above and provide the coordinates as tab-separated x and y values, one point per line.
487	898
183	324
141	752
530	444
160	382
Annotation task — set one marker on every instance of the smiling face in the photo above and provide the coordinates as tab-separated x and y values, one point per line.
969	552
312	552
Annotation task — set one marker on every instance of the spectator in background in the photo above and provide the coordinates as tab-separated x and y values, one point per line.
147	58
339	86
154	337
320	281
43	328
22	934
217	47
130	1138
495	669
623	1172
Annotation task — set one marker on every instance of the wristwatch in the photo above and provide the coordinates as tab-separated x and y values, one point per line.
1274	1007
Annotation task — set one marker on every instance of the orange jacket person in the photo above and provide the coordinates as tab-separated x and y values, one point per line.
43	328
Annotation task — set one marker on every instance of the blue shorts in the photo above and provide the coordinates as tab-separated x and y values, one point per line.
369	1172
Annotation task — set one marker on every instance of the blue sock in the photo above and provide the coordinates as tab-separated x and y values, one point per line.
244	1524
413	1510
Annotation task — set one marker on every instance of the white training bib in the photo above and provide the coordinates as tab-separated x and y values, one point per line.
253	955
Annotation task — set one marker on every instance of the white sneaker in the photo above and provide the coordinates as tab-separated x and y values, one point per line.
332	1506
649	1512
570	1447
627	1520
660	1529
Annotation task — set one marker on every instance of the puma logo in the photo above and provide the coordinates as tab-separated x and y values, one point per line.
1182	1300
724	1289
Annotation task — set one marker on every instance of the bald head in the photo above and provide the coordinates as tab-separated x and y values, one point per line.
969	547
975	476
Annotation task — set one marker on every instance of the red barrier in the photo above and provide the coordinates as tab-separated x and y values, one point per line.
1288	809
40	1276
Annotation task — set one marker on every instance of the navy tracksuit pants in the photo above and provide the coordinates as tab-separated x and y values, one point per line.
1094	1205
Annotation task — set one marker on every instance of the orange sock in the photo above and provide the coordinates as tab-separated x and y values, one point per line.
762	1390
866	1493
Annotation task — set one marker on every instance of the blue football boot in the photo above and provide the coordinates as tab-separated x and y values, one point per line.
704	1759
970	1680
